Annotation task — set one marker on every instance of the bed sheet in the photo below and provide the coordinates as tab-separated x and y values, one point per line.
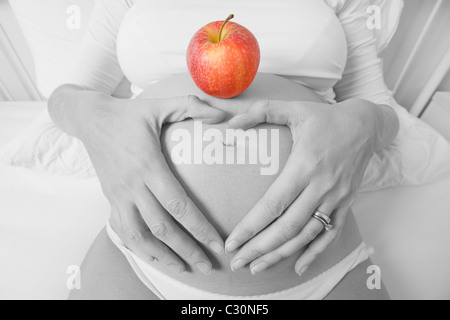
408	227
41	227
15	117
46	226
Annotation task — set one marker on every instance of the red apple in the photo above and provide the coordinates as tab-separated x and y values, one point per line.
223	58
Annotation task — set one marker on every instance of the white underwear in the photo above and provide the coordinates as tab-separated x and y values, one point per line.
167	288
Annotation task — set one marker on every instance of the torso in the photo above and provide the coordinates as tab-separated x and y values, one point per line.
300	39
225	193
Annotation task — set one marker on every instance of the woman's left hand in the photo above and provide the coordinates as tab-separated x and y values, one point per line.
332	146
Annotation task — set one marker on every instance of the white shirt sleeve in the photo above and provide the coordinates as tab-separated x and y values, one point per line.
96	66
363	75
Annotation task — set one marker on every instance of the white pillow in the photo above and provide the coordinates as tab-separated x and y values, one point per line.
418	155
43	146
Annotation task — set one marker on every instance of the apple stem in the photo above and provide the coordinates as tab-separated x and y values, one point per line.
231	16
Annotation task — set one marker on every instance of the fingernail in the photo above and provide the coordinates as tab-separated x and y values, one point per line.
204	267
239	264
259	267
176	268
217	247
302	271
231	246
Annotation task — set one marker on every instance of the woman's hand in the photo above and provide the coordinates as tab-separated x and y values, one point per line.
331	150
123	140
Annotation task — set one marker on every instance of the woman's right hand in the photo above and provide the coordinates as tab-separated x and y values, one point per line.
122	138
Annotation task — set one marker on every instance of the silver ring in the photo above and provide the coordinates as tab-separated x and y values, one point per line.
323	216
326	223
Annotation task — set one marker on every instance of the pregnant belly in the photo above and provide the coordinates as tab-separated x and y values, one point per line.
227	181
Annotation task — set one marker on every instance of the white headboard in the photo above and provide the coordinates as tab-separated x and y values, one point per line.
17	79
418	58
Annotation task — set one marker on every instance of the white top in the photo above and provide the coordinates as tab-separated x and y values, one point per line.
323	44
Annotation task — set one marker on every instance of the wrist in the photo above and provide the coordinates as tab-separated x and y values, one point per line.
73	109
387	126
380	121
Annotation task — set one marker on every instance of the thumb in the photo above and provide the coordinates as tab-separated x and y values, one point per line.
188	107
